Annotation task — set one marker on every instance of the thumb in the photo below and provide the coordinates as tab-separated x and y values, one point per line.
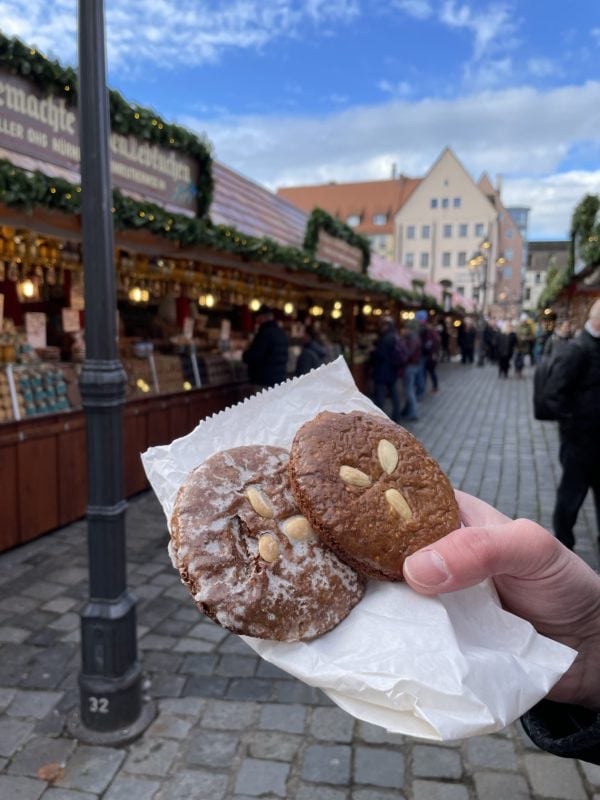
468	556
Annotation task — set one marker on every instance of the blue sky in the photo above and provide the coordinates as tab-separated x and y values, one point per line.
305	91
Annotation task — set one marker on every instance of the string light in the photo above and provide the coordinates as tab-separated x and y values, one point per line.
288	308
367	309
254	304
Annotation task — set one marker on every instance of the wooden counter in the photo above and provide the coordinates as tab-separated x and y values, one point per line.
43	468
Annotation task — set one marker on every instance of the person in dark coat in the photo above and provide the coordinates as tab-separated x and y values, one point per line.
267	355
466	341
313	353
384	367
507	340
573	393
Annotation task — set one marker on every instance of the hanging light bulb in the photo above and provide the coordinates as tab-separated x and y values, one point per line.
337	305
288	308
209	300
367	309
135	294
336	313
27	289
254	304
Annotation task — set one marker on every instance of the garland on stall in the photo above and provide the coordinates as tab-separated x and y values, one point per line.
585	231
585	245
26	191
126	118
321	220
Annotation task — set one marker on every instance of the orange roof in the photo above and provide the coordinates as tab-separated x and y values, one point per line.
365	199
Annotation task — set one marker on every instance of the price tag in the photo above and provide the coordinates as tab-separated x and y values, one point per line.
35	328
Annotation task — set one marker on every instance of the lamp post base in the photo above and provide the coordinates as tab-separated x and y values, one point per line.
117	738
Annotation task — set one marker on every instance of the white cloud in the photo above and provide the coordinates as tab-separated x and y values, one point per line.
542	67
187	32
400	89
492	29
523	133
419	9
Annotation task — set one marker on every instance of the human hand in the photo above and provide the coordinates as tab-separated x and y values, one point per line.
536	577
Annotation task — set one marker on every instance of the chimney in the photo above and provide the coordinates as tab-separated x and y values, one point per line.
394	168
499	185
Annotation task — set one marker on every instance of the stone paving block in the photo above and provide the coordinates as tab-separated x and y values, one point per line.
206	687
592	773
156	661
189	645
18	604
171	627
266	670
198	664
43	590
66	622
331	724
153	642
491	753
323	764
6	697
59	605
33	704
294	692
53	724
151	756
210	749
225	715
306	791
435	790
274	746
165	684
374	734
234	666
555	777
17	788
194	785
209	632
124	788
376	794
184	706
8	633
250	689
13	732
378	767
257	777
435	762
67	794
68	576
170	727
91	769
282	717
39	751
500	786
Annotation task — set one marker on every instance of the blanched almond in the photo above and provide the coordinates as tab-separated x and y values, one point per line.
398	503
387	455
354	477
268	548
260	502
297	528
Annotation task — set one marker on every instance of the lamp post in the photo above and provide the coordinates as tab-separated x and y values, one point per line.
111	709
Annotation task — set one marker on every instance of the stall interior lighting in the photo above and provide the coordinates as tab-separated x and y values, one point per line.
457	323
141	384
28	289
408	315
254	304
377	312
367	309
336	313
207	300
139	295
337	305
187	386
316	311
288	308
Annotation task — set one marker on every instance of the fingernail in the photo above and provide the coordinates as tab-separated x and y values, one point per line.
427	568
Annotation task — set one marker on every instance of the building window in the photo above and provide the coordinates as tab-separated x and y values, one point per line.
409	259
462	259
461	290
382	242
463	230
507	272
528	293
445	202
353	220
424	260
434	202
410	231
425	231
447	231
538	277
456	202
509	234
379	219
479	229
508	254
446	259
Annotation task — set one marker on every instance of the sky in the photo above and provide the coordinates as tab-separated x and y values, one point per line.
292	92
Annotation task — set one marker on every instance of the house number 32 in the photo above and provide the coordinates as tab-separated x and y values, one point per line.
98	705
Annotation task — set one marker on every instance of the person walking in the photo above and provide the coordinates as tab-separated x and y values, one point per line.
430	353
412	343
506	345
559	337
385	365
444	340
573	393
466	341
267	355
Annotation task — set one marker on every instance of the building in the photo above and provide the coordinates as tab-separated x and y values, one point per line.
368	206
446	227
541	257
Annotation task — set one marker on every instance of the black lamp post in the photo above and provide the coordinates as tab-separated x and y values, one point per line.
111	708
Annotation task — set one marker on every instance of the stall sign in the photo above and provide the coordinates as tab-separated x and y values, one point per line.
35	329
70	320
45	127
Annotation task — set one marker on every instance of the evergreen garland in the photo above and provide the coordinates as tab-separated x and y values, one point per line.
126	118
26	191
321	220
585	231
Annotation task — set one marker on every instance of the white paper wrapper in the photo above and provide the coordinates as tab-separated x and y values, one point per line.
438	668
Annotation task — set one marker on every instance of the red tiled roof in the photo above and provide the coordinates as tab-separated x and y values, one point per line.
364	199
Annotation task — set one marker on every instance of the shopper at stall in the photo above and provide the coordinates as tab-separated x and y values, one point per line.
267	355
385	366
313	352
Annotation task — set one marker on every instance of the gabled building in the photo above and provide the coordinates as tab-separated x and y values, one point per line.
368	206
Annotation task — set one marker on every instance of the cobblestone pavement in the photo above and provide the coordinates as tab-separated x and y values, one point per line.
231	727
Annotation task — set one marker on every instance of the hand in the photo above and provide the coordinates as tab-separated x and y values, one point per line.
536	577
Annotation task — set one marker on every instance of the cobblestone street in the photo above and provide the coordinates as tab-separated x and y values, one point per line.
232	727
